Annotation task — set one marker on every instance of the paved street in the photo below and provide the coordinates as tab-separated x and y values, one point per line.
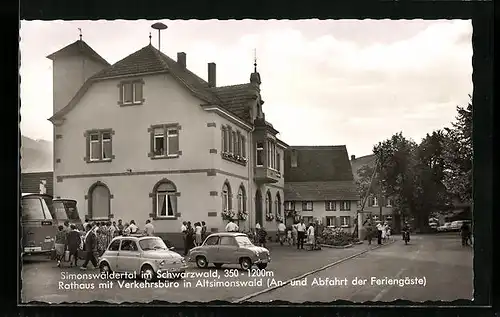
40	279
440	259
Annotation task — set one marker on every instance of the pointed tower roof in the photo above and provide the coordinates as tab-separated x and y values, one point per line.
78	47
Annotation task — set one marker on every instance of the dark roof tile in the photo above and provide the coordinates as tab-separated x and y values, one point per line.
236	98
314	191
77	48
318	163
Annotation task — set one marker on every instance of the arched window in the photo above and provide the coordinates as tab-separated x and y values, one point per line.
226	197
269	203
99	201
277	204
242	199
165	199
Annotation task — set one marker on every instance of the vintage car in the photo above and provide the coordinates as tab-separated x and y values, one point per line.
146	256
229	248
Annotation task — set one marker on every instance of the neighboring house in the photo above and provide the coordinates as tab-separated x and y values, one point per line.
40	182
373	205
145	138
319	185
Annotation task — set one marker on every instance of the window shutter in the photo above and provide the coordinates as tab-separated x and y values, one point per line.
138	91
151	142
86	158
120	94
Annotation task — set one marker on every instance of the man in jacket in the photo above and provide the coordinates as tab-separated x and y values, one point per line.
90	247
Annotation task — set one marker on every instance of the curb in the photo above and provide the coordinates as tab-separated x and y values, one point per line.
247	297
337	246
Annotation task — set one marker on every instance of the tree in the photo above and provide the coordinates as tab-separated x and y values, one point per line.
396	161
457	155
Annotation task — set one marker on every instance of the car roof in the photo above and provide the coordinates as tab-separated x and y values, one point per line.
228	234
135	237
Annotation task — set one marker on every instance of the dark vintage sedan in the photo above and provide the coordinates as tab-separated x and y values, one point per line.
229	248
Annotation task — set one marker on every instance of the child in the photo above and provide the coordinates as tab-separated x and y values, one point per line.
289	238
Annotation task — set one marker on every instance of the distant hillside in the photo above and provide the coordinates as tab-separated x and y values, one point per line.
36	155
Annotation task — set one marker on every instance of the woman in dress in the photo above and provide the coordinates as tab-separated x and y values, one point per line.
101	238
197	231
384	232
310	236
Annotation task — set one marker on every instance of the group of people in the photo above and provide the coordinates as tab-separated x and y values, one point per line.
193	235
93	240
381	230
297	235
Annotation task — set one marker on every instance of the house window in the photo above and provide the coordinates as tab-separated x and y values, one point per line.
278	162
164	141
375	202
226	197
277	204
165	200
330	205
308	219
230	140
307	206
225	147
260	154
271	155
235	142
99	201
243	146
331	221
131	92
389	202
242	199
289	206
269	203
345	205
238	144
99	145
345	221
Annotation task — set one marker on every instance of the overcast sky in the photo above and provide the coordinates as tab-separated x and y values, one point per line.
352	82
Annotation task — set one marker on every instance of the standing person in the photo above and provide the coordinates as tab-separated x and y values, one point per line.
60	244
262	235
126	229
184	235
231	227
203	230
85	223
197	232
384	232
133	227
74	240
112	229
465	234
120	227
310	236
102	237
369	232
90	248
149	229
67	227
294	232
301	232
388	232
189	237
379	232
256	233
281	232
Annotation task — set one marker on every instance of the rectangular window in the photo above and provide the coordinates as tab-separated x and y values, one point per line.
330	205
345	205
278	162
345	221
375	202
224	140
235	142
243	147
259	154
131	92
289	206
164	141
238	144
230	140
308	219
165	205
307	206
99	145
389	202
331	221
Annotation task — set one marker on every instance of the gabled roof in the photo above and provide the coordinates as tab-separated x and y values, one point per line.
318	164
314	191
358	163
78	48
149	60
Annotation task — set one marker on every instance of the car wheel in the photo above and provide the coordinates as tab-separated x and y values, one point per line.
245	263
262	265
104	267
201	262
147	273
218	265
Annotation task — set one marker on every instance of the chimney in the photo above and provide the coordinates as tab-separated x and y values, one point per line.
211	75
181	59
353	157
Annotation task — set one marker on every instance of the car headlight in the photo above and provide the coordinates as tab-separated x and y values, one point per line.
162	263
